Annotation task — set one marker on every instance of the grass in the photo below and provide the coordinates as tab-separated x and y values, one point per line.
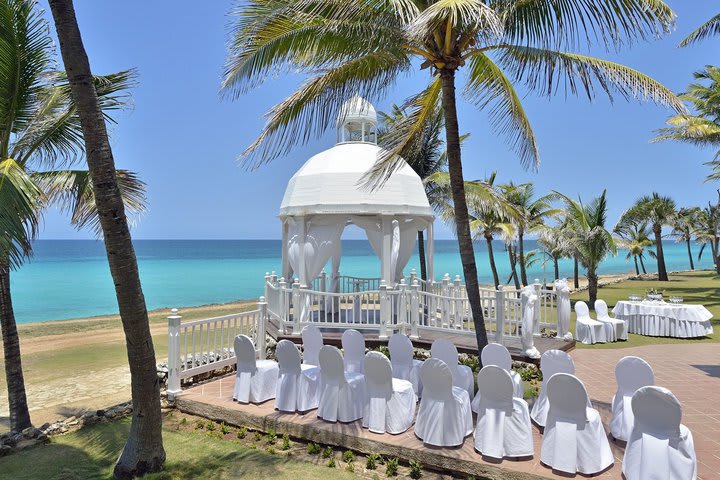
699	287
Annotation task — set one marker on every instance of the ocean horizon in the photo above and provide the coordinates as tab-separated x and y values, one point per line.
68	279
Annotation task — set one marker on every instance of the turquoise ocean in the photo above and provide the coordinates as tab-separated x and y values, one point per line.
70	278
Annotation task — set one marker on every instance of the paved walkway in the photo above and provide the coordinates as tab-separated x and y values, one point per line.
691	371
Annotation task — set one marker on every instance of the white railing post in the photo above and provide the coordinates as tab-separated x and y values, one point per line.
445	312
260	327
174	361
458	303
414	308
402	305
537	287
267	287
413	276
385	312
499	314
323	281
297	308
283	307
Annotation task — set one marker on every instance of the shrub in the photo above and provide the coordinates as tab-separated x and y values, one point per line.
415	469
210	426
199	425
313	448
286	442
271	437
348	456
241	433
270	450
331	462
350	467
253	445
183	421
327	452
258	436
372	460
224	428
391	467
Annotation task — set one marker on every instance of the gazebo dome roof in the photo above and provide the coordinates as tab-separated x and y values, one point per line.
331	183
356	110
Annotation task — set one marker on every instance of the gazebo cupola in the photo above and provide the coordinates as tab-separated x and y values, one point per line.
357	121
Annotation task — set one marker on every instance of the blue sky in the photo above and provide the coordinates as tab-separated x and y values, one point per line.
184	139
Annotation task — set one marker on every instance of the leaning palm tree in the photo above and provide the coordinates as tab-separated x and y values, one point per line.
143	451
40	161
658	211
684	227
363	47
707	29
554	242
634	236
590	238
708	232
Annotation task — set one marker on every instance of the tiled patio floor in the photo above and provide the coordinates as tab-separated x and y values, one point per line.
691	371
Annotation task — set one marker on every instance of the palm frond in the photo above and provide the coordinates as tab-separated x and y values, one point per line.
20	200
456	18
690	129
707	29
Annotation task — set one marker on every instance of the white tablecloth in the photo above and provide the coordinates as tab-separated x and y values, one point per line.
660	319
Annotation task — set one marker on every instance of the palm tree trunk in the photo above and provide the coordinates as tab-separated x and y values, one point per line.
462	224
662	271
19	413
491	257
421	254
689	249
715	255
576	272
637	270
513	266
642	264
143	451
521	256
556	264
592	288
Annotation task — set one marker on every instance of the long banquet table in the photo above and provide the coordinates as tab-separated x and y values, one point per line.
660	319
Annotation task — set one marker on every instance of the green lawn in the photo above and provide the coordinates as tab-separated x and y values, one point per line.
695	287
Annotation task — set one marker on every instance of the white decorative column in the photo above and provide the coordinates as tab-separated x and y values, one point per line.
430	253
174	361
386	272
285	266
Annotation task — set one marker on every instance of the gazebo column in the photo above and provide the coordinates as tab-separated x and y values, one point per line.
385	260
285	265
430	253
303	239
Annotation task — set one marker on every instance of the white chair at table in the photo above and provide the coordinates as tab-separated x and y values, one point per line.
496	354
403	364
446	351
574	440
353	344
660	447
312	341
389	402
298	385
503	424
551	362
631	374
342	394
587	330
444	417
616	329
255	380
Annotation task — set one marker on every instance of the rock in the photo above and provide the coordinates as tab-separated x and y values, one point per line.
90	418
44	426
5	450
31	432
70	419
42	438
72	423
100	413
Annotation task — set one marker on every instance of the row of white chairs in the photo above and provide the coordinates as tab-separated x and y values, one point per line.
603	330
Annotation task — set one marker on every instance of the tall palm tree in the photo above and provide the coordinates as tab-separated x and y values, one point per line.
591	239
684	227
41	144
707	29
363	47
143	451
703	127
427	157
556	245
658	211
708	232
635	237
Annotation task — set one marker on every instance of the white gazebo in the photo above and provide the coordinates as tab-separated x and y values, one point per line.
328	193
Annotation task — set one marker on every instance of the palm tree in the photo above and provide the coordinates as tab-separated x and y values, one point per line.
702	128
363	47
556	245
590	239
41	142
635	237
707	29
143	451
427	156
684	229
658	211
708	232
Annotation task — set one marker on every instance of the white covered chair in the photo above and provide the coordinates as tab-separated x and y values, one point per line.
312	341
446	351
342	394
353	344
660	447
587	330
503	423
551	362
496	354
255	380
389	402
404	366
574	440
298	385
444	417
615	329
631	373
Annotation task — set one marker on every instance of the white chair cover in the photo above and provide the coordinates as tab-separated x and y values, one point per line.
403	364
446	351
255	380
587	330
499	356
631	373
312	339
353	344
503	424
390	402
551	362
444	418
616	329
342	394
574	440
660	447
298	385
